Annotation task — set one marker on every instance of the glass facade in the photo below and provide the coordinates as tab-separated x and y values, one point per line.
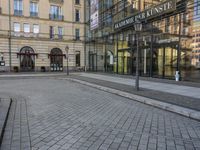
167	42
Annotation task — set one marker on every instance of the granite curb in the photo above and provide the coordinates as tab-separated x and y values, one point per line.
4	112
193	114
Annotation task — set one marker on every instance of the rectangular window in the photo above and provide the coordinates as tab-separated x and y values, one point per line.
51	32
16	27
78	58
56	12
26	27
77	34
36	28
77	19
18	7
167	24
33	9
60	32
175	24
185	31
77	2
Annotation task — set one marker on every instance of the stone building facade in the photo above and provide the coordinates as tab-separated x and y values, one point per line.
42	35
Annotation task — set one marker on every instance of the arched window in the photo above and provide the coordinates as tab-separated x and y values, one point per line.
56	60
27	59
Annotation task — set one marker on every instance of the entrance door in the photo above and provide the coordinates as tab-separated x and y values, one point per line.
56	60
109	61
92	61
125	62
27	59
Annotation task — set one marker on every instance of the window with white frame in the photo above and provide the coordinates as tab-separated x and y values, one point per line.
16	27
51	32
55	10
26	28
77	34
60	32
18	7
33	9
36	28
77	15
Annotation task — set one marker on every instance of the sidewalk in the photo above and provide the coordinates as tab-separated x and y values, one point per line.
183	90
181	99
31	74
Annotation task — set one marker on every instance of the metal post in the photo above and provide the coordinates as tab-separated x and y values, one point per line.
117	55
163	67
105	57
85	24
67	56
179	47
137	65
9	37
151	57
67	64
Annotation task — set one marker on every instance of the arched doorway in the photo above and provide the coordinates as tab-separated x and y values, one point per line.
27	59
56	60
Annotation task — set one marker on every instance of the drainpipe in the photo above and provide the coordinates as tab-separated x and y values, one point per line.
9	37
85	24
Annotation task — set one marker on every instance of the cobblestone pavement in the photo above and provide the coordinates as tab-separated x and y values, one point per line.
57	114
183	101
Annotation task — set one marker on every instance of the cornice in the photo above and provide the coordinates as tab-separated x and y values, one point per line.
60	2
43	19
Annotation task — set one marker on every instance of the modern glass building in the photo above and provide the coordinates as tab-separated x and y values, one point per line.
169	40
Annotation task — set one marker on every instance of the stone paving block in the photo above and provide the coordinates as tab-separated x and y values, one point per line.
82	117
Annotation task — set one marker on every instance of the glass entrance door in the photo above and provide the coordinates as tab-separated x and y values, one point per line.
56	60
27	59
125	62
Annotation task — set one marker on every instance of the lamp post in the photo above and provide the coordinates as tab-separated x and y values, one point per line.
67	57
1	56
9	37
138	28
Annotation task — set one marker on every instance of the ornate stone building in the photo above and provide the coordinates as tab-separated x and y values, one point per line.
42	35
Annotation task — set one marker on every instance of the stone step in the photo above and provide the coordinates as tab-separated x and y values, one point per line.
4	111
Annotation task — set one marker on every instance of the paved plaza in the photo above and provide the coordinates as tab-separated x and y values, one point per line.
53	114
163	87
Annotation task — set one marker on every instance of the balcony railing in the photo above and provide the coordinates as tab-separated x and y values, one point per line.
34	14
77	38
56	17
18	12
56	36
46	36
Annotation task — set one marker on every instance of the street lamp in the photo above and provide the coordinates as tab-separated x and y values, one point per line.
138	28
67	57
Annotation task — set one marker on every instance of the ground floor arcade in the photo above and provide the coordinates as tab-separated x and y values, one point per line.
29	55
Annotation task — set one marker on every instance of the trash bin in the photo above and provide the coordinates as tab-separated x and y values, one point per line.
177	76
